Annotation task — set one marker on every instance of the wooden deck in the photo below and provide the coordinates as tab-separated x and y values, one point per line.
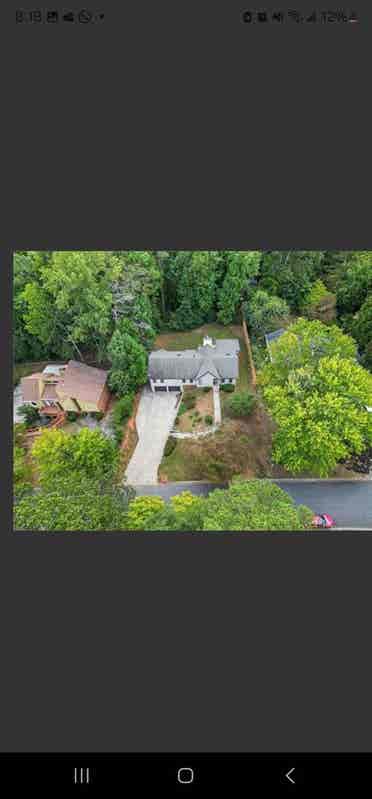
49	410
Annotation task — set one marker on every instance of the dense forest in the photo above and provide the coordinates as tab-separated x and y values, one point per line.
108	308
81	304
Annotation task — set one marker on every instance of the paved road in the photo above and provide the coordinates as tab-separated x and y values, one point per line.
155	418
348	501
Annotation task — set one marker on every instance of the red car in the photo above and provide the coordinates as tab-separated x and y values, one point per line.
323	520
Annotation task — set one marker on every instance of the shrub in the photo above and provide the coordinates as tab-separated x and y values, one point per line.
228	387
19	430
206	389
118	431
189	402
121	414
242	404
30	415
215	469
123	408
170	446
72	416
208	419
305	516
260	355
99	415
182	409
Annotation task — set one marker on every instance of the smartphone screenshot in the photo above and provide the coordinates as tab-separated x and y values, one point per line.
187	398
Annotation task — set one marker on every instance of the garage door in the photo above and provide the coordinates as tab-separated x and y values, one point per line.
174	388
160	388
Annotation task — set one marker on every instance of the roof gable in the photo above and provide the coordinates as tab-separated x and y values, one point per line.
82	382
30	387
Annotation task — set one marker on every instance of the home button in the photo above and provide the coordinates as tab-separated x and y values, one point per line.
185	775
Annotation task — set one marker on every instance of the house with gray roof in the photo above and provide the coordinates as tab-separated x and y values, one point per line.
215	362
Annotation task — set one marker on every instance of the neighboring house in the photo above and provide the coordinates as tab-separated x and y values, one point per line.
70	387
270	337
213	363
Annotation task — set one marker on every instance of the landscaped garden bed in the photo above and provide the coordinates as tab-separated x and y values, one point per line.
195	414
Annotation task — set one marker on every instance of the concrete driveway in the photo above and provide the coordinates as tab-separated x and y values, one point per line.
155	419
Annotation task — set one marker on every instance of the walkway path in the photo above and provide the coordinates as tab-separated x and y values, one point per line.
217	405
201	434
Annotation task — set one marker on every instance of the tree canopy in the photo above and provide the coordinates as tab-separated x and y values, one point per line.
303	344
242	267
321	414
355	283
87	454
265	312
69	303
129	362
253	505
73	504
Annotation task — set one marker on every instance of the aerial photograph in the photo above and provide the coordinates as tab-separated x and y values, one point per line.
192	391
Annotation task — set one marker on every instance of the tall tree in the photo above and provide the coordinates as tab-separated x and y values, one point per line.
136	290
241	268
265	312
129	361
290	274
196	289
70	303
362	325
303	344
355	284
26	346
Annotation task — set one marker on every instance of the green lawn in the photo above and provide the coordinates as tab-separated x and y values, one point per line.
188	339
